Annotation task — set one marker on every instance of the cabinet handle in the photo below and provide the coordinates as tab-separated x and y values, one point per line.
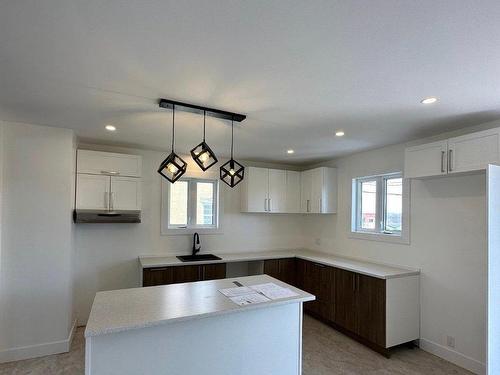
320	205
111	200
319	265
308	209
106	197
450	164
157	269
442	162
269	205
110	172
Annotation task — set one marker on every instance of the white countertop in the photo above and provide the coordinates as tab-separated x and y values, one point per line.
380	271
126	309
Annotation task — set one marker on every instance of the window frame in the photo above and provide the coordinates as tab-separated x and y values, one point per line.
191	226
379	233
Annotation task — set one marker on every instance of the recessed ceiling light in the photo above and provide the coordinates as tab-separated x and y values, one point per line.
290	151
429	100
339	133
110	128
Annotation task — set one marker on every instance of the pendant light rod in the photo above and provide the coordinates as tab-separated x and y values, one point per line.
204	117
193	108
173	127
232	137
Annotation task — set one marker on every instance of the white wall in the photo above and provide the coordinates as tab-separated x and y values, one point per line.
36	282
447	242
107	253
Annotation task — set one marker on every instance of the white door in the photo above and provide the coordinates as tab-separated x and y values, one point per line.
316	191
257	189
426	160
493	332
277	190
92	192
305	191
292	192
473	152
125	193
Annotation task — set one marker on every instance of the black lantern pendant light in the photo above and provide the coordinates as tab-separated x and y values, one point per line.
232	172
203	154
173	167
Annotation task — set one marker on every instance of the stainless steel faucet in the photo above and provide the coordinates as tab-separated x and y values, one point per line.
196	244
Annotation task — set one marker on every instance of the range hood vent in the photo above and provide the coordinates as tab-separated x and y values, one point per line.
104	216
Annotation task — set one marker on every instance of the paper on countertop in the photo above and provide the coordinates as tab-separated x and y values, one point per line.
237	291
248	299
273	291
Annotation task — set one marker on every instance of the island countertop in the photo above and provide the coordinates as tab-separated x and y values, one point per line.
368	268
120	310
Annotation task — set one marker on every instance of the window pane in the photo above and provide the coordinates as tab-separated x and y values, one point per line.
178	203
368	204
394	203
204	203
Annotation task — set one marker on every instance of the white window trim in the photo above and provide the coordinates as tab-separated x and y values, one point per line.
165	230
404	237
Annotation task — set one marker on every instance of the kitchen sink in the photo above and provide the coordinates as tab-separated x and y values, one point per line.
198	258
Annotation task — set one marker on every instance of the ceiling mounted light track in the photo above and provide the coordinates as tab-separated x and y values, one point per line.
193	108
202	154
173	167
232	172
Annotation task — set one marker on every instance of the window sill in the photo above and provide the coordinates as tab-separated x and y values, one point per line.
405	240
191	231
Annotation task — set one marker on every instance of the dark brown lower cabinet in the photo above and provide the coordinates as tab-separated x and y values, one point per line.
370	309
281	269
345	303
182	274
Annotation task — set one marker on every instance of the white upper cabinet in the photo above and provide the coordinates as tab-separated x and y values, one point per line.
292	192
92	192
319	191
255	190
104	182
125	193
430	159
108	163
467	153
474	151
277	191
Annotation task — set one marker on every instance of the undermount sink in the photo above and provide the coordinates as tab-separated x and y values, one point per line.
197	258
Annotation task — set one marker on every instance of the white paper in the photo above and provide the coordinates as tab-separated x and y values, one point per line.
273	291
249	299
238	291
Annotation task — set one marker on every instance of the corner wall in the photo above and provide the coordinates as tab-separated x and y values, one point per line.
36	281
448	242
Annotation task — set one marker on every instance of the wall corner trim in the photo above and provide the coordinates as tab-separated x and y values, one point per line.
452	356
38	350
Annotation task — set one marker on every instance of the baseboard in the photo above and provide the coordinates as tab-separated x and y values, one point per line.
452	356
38	350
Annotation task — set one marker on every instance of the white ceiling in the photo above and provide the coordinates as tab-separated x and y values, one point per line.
298	69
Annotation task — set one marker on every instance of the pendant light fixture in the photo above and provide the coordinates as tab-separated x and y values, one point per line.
232	172
173	167
203	154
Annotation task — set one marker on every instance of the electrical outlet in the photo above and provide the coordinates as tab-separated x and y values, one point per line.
317	241
450	341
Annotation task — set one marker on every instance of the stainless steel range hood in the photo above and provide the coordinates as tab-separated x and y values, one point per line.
104	216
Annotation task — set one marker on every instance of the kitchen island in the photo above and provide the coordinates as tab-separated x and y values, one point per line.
192	328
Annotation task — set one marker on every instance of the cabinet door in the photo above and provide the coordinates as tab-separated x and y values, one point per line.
345	299
371	309
214	271
426	160
186	274
125	193
277	190
272	267
300	274
257	186
287	270
473	151
292	192
92	192
316	190
305	191
109	163
157	276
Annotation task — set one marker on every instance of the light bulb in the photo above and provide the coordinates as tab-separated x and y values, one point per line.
204	157
172	168
232	172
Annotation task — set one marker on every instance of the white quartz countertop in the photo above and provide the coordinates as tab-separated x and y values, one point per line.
120	310
380	271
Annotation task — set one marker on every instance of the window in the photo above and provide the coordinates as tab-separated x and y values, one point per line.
379	206
191	204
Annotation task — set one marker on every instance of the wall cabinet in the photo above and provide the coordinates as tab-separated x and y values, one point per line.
265	190
467	153
182	274
319	191
108	187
